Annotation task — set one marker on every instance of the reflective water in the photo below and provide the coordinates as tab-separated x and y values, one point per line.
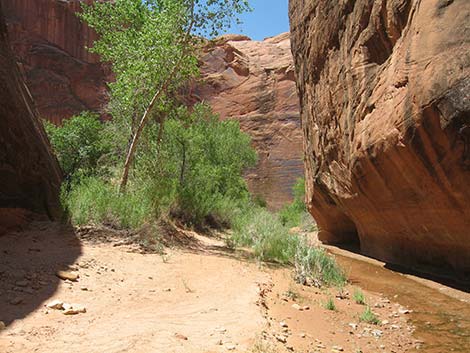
442	322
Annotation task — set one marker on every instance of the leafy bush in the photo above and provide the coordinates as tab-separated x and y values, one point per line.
196	168
295	214
92	200
262	230
79	144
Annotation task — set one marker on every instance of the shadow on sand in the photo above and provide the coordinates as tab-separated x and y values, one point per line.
29	261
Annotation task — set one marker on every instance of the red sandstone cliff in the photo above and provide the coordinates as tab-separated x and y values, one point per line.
49	42
253	82
29	174
385	105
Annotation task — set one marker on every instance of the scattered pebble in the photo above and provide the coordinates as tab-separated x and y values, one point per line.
297	307
2	326
181	337
55	304
283	324
67	275
73	309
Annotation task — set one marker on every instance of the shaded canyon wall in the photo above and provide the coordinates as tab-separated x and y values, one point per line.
29	174
385	105
50	43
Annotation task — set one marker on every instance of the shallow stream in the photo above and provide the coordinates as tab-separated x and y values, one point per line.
442	322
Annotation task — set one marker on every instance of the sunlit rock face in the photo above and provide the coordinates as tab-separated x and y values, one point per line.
253	82
29	174
50	43
385	105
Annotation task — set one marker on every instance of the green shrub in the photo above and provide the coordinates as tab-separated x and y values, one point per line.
291	214
197	166
314	266
93	201
79	144
330	304
359	297
369	317
263	231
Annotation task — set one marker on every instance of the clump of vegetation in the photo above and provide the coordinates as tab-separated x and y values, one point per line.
330	304
359	297
291	215
314	266
369	317
79	144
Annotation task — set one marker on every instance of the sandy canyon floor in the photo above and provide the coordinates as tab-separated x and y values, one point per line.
201	297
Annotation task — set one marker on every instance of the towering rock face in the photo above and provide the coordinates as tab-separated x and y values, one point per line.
49	42
385	104
254	83
29	174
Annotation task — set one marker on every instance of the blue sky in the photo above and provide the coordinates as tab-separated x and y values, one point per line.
269	18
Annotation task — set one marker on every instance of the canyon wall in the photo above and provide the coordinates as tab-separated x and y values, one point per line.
29	174
50	43
385	106
253	82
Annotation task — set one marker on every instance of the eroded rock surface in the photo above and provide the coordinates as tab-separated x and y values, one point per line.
50	43
385	104
29	174
253	82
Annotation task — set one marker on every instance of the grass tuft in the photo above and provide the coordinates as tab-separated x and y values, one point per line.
330	304
359	297
369	317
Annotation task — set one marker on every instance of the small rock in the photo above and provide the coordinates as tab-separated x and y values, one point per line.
23	283
403	311
306	307
181	337
55	304
281	339
84	288
353	326
220	330
16	301
385	322
67	275
290	348
302	335
337	349
377	333
394	327
230	347
167	290
2	326
382	346
283	324
297	307
73	309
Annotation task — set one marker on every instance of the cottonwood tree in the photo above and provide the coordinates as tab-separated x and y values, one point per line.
150	45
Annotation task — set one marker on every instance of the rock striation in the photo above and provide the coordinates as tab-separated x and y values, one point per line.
253	82
385	106
29	175
50	43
